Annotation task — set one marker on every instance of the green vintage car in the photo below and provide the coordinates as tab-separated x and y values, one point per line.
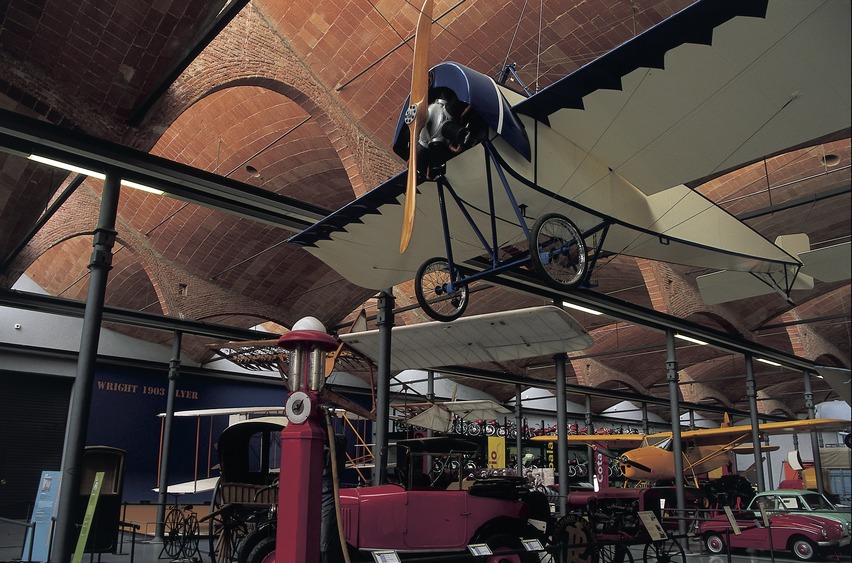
801	500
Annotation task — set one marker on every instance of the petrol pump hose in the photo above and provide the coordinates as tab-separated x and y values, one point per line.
335	480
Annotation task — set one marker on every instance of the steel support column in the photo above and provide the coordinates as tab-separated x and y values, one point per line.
769	478
590	429
81	395
384	322
751	394
677	447
430	396
174	373
519	435
562	432
809	404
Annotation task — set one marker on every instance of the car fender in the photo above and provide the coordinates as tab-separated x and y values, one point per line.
505	525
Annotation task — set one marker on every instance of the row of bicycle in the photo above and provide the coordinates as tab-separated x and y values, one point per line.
509	429
470	465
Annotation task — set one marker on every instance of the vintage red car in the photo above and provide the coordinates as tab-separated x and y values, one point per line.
432	506
806	536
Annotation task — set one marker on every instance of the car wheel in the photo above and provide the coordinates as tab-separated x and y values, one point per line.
714	543
803	549
507	548
263	552
252	540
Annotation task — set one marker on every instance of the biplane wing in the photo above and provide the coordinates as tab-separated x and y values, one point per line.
708	436
613	145
650	457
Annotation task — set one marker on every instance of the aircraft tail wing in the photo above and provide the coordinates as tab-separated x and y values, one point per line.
828	264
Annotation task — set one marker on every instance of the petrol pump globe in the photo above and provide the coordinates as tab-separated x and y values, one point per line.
307	342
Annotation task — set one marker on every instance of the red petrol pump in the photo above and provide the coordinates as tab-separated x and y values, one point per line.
302	440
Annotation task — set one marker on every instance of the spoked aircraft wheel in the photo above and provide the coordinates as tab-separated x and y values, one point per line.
429	283
557	250
665	551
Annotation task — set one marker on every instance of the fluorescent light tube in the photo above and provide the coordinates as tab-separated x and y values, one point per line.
581	308
690	339
66	166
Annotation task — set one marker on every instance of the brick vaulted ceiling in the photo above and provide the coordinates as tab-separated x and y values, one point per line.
301	98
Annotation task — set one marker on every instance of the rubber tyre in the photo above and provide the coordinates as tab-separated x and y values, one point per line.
715	544
557	251
263	551
253	540
508	542
803	549
429	282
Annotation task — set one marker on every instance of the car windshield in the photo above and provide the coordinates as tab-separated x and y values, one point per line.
816	501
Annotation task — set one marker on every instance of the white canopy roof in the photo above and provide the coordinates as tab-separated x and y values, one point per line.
493	337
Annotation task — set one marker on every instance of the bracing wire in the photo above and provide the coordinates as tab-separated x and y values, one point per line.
514	34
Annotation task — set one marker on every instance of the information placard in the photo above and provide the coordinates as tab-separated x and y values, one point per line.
44	512
87	519
652	525
732	521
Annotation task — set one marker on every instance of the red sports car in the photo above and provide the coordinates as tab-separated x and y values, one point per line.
803	535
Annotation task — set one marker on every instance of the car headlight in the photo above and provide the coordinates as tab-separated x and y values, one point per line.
824	533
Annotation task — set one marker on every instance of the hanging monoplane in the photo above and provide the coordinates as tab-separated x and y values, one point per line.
600	162
651	456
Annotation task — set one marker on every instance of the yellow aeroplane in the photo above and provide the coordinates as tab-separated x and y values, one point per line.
650	457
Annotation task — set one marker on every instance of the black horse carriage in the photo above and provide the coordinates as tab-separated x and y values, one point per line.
247	489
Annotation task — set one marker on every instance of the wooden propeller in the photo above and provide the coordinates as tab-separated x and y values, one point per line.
416	114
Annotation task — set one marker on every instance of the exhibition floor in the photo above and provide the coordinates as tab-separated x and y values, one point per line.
146	551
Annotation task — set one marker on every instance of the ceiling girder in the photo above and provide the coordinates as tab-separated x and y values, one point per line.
25	136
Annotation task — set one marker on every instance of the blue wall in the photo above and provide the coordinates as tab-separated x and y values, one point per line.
124	412
124	415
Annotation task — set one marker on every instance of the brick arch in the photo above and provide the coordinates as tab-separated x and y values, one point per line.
807	343
592	373
830	360
672	294
698	392
770	406
77	217
719	320
204	297
260	318
366	161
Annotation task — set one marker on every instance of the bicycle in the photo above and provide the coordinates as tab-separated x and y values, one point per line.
180	532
